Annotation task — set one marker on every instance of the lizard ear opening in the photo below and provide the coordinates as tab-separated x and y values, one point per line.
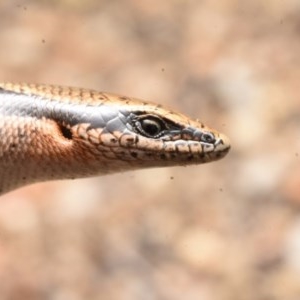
66	132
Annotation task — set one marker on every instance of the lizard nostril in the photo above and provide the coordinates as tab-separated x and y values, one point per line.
208	137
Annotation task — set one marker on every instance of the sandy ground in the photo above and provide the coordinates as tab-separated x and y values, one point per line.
227	230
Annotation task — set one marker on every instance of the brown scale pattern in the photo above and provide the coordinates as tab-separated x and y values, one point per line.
39	147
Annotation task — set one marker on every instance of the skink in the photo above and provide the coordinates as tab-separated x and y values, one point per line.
53	132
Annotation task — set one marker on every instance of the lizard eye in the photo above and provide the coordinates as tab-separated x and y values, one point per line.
150	126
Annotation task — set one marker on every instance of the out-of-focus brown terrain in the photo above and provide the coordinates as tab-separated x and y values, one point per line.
226	230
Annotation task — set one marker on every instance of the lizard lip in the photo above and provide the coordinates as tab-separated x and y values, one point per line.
222	143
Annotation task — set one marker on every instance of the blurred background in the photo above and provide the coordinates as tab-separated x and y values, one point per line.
226	230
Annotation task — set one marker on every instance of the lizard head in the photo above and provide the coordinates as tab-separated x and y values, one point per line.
140	134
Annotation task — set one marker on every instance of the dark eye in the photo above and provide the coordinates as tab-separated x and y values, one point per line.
208	138
150	127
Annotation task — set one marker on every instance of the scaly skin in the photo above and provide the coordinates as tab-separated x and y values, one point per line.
53	132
